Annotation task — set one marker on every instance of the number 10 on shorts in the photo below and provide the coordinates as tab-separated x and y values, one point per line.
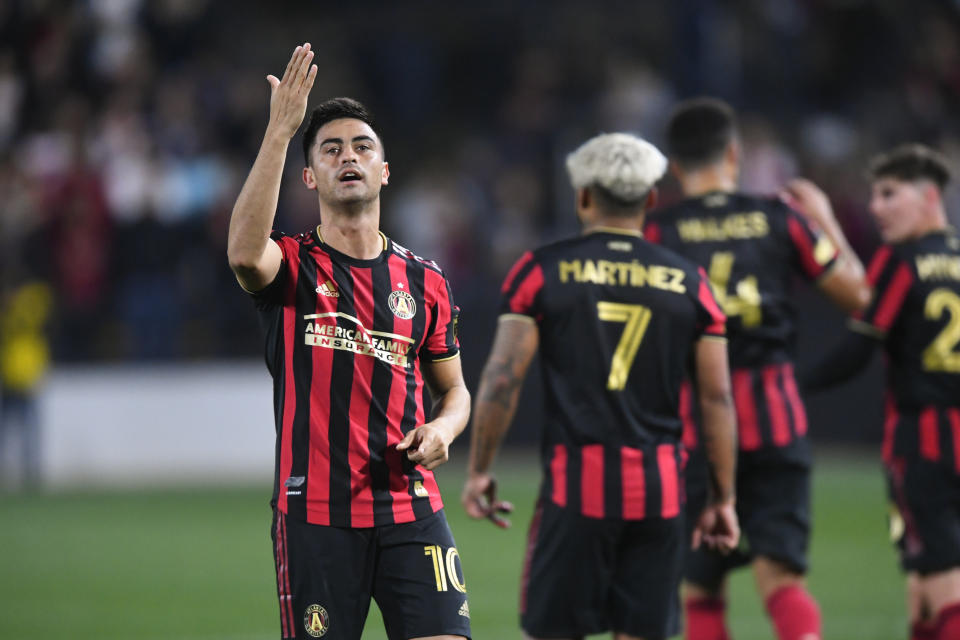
445	567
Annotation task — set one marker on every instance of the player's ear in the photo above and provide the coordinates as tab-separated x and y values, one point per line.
676	170
651	200
309	178
385	176
584	205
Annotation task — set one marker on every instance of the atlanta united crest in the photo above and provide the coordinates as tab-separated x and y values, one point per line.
402	304
316	620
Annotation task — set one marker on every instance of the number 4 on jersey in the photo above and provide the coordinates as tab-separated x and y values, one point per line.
745	301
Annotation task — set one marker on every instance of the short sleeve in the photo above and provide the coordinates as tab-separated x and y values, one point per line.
891	278
274	293
711	321
443	342
520	293
814	252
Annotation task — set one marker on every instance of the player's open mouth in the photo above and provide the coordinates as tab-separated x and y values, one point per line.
350	176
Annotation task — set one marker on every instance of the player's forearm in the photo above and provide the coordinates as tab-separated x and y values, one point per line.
719	442
451	410
496	404
256	206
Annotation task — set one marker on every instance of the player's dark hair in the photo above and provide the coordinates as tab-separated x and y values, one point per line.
910	162
334	109
699	131
615	206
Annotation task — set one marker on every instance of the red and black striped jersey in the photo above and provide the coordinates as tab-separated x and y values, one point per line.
617	318
915	311
344	343
752	248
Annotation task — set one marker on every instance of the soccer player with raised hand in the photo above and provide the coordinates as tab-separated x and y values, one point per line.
618	323
752	247
915	317
356	326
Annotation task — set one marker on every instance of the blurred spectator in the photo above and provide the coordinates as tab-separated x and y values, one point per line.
126	125
24	358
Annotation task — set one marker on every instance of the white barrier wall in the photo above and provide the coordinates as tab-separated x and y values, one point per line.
138	426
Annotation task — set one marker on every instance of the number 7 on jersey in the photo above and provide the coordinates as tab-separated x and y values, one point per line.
636	318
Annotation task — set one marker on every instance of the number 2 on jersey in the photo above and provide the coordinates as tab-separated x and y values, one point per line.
636	317
940	355
746	302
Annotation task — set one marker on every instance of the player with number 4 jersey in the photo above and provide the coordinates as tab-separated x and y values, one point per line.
752	248
915	316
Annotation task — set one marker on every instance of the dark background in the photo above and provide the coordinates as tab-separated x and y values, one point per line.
127	128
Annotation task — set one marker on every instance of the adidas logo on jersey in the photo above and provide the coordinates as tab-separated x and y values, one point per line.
328	289
464	609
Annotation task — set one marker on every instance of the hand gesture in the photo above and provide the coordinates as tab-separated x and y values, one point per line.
288	95
809	200
718	528
426	446
479	498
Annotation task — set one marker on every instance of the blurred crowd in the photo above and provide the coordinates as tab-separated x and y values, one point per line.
128	126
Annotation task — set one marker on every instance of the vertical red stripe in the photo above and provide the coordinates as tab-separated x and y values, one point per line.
292	257
651	232
436	302
358	448
804	246
558	476
634	484
591	480
953	415
797	409
283	579
929	434
515	270
399	486
776	408
278	565
877	263
718	320
318	480
891	418
669	481
686	416
528	557
890	303
523	297
747	427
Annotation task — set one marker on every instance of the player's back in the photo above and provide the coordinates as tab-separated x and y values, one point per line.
751	248
617	320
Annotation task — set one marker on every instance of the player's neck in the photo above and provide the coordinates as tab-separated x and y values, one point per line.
633	224
708	180
934	222
356	236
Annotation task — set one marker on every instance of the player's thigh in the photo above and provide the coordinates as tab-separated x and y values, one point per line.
419	583
644	595
773	505
568	573
927	497
324	579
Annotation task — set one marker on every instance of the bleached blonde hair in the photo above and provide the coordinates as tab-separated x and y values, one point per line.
622	164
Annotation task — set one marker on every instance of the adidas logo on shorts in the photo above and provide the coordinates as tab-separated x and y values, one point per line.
464	609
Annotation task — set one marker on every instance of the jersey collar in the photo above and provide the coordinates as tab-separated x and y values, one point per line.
624	232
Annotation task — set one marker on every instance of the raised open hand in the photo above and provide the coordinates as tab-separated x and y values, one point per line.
288	95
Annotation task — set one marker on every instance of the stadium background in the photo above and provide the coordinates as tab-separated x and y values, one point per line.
127	127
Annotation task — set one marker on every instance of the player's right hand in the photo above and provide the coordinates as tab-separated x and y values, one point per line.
288	95
718	528
480	500
809	199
